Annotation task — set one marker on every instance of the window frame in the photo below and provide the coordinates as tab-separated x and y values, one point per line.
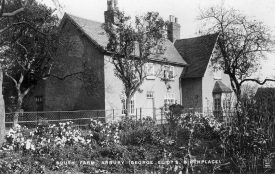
169	99
150	94
150	75
217	74
132	106
167	71
217	105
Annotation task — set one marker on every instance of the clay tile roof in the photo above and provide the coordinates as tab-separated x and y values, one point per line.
197	52
171	54
220	87
97	35
92	29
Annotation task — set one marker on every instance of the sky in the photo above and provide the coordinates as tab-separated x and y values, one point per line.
185	10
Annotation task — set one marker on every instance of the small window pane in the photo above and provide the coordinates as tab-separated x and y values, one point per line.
150	94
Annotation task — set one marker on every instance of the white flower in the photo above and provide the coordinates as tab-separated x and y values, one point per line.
32	147
28	144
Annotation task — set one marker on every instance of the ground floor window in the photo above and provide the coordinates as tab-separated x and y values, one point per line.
39	103
132	106
169	99
217	106
217	102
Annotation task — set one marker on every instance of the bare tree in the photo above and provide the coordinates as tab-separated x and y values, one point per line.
4	14
132	46
28	44
242	43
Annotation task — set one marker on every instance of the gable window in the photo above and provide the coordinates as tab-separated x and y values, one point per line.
160	49
124	106
150	94
169	99
150	71
168	72
217	74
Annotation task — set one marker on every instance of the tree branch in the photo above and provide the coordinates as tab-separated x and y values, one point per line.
22	23
257	81
15	12
64	77
2	7
27	91
13	79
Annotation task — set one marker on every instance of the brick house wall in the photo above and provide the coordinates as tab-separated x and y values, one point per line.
72	93
192	93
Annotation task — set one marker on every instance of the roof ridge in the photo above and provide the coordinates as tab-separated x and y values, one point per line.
198	37
91	20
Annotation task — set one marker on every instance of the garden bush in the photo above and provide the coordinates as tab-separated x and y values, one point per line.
44	148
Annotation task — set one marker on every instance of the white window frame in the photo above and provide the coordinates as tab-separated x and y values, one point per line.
171	69
217	97
150	73
150	94
169	99
132	106
167	71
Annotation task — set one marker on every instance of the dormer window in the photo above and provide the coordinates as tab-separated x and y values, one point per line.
217	74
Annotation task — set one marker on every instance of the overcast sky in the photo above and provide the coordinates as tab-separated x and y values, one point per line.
185	10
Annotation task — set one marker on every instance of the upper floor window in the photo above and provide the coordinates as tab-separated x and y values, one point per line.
168	72
150	71
150	94
217	74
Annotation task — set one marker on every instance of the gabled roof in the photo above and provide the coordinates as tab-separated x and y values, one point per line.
196	52
94	31
220	87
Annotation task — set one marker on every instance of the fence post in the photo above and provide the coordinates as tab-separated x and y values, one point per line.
161	116
113	115
154	114
140	113
136	114
36	118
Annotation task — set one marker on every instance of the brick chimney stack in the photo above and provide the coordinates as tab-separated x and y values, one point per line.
173	29
112	6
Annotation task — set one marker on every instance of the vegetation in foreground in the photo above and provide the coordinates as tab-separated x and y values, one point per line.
141	146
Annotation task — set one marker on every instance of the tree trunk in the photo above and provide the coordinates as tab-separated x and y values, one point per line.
128	102
18	109
2	112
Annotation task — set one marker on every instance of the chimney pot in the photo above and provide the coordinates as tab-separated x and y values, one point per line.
115	4
172	18
173	29
110	16
109	5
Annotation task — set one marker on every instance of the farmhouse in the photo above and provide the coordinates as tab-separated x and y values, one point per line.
195	83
